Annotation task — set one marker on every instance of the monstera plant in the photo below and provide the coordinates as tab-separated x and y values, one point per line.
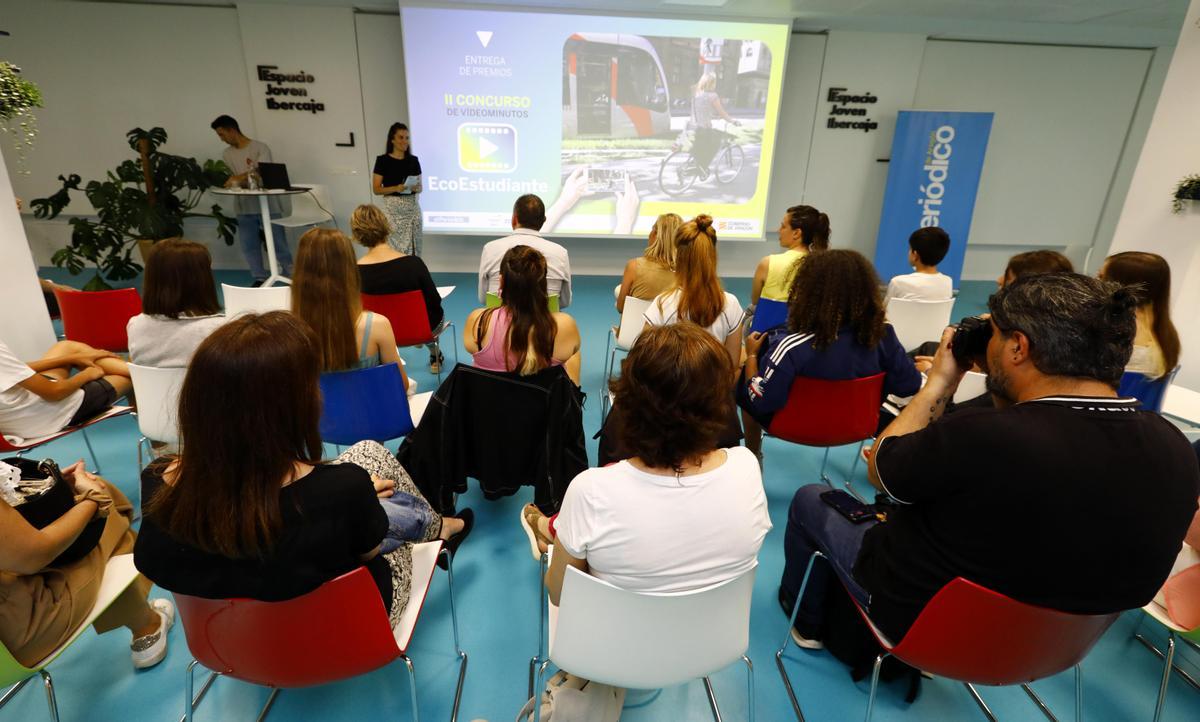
143	200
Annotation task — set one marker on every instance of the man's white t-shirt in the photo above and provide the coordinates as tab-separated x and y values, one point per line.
241	160
649	533
920	287
558	264
24	414
664	310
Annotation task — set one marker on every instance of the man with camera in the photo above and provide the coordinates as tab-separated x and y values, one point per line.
1063	496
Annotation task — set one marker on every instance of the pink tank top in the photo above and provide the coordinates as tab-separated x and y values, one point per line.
493	355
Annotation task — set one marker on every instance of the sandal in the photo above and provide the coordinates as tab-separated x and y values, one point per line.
467	517
435	362
538	542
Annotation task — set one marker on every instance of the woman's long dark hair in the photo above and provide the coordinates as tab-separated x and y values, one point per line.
392	132
1151	274
179	280
833	290
812	224
532	331
248	411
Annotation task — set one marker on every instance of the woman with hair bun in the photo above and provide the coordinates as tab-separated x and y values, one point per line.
698	296
1156	346
803	230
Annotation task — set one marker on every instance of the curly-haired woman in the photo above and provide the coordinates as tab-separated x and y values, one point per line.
835	331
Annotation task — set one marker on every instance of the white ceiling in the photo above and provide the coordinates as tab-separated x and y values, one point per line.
1125	22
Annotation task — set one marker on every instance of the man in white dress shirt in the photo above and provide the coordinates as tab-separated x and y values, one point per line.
529	214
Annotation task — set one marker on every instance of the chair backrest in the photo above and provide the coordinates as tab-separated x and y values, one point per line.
493	300
98	318
157	391
1151	392
972	385
362	404
314	206
336	631
918	321
633	320
829	413
768	314
239	299
973	634
406	312
648	641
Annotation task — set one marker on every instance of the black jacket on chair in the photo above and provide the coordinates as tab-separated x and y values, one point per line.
503	429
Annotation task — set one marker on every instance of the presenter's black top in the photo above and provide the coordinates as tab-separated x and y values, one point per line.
331	518
394	171
408	273
1073	503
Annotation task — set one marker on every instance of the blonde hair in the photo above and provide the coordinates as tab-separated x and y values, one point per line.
369	226
662	248
325	294
707	82
701	298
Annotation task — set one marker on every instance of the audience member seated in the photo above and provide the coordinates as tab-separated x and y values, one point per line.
1006	496
926	249
697	295
680	513
523	335
654	271
529	215
803	229
835	331
249	509
179	305
383	270
325	294
1031	262
1156	346
44	396
45	602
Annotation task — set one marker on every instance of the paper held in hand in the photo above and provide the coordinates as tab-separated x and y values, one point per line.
409	182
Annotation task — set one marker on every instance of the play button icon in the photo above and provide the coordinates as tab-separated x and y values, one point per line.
486	148
485	37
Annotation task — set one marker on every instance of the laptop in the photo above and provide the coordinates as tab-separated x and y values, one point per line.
275	177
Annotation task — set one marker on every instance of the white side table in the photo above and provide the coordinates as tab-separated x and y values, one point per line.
263	195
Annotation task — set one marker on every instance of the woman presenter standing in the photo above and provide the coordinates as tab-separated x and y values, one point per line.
392	171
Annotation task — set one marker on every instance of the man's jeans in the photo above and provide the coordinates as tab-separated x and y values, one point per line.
249	226
408	519
812	526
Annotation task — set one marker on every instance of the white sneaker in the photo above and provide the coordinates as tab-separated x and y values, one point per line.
149	650
805	642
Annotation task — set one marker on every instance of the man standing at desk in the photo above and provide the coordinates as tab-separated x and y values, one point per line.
242	156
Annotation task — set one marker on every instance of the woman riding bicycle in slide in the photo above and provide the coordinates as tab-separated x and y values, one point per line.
705	104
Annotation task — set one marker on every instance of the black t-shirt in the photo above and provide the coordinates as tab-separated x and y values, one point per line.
398	275
394	170
331	518
1077	504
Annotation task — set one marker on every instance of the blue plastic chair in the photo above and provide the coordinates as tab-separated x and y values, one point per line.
364	404
768	314
1151	392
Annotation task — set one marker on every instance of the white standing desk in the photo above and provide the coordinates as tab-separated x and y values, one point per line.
268	233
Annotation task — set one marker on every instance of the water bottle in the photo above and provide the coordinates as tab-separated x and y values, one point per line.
253	179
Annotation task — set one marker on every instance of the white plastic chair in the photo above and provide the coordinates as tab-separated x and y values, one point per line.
239	300
157	393
972	385
918	321
308	209
650	641
632	322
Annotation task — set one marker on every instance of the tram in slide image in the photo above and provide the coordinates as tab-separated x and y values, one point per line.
613	87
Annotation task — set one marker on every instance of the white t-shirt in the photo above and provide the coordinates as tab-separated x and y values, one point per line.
558	264
920	287
168	342
648	533
664	311
24	414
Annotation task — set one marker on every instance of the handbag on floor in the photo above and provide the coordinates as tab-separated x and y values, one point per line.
568	698
45	496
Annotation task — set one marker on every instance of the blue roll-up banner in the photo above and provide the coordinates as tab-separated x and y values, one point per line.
933	176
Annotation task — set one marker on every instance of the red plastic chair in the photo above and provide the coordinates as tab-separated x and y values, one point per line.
9	447
98	318
974	635
409	318
826	413
336	631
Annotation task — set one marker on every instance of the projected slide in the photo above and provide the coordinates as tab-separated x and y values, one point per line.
610	120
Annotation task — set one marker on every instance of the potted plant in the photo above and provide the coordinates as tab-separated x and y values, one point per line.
18	98
140	202
1187	189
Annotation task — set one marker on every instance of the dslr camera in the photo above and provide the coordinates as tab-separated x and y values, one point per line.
970	341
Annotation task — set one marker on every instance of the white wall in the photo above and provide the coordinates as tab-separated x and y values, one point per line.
1171	151
24	321
208	67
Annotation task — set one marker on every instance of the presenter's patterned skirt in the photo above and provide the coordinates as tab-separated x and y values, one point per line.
404	215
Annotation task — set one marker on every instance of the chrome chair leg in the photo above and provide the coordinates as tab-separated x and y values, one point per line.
462	656
749	685
787	637
541	652
190	702
1041	705
825	463
853	468
874	686
12	691
1179	671
712	699
987	711
270	701
1166	675
51	702
541	683
1079	692
412	687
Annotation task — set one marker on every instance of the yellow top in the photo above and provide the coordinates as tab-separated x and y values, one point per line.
781	269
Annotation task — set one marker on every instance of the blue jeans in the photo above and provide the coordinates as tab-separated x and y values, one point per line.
249	226
812	526
408	519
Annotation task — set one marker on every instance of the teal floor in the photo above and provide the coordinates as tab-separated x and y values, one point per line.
496	595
